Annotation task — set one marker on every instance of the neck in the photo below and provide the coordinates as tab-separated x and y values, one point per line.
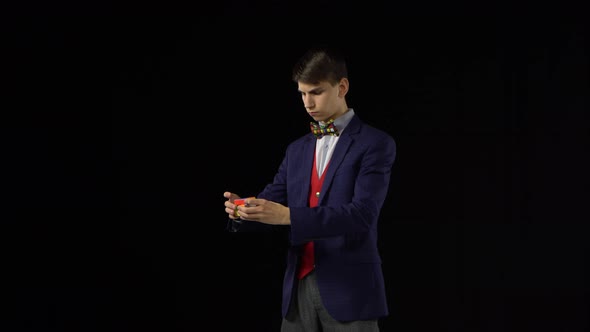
341	112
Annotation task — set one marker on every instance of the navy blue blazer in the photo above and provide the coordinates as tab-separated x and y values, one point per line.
344	224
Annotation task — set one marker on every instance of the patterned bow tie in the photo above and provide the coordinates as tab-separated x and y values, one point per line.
322	130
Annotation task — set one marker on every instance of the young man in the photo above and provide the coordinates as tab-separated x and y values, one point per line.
329	191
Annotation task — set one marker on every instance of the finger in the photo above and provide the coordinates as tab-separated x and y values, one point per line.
233	217
250	212
233	213
239	212
254	201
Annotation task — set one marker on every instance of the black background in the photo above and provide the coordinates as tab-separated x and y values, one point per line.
121	133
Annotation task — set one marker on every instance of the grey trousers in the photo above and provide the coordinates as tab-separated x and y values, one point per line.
308	314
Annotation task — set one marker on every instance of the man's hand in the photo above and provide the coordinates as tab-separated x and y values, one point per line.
230	207
264	211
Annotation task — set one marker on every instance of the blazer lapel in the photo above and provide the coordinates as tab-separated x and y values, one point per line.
339	152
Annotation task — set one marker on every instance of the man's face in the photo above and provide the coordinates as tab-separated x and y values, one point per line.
324	101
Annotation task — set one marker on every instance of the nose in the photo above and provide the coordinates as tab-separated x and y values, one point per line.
308	101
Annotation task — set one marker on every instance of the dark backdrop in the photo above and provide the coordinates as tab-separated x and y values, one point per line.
120	135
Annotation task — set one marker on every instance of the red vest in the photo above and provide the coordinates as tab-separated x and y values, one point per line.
307	259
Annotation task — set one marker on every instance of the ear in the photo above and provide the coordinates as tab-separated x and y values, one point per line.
343	87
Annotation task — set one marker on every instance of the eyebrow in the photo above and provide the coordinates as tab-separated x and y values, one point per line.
314	90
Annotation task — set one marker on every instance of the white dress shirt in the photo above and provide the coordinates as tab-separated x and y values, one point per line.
325	146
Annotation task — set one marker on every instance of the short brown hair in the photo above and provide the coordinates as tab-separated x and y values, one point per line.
320	64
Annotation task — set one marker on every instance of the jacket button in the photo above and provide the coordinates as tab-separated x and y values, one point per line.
317	194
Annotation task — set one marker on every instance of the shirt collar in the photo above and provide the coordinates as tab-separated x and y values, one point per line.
341	122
